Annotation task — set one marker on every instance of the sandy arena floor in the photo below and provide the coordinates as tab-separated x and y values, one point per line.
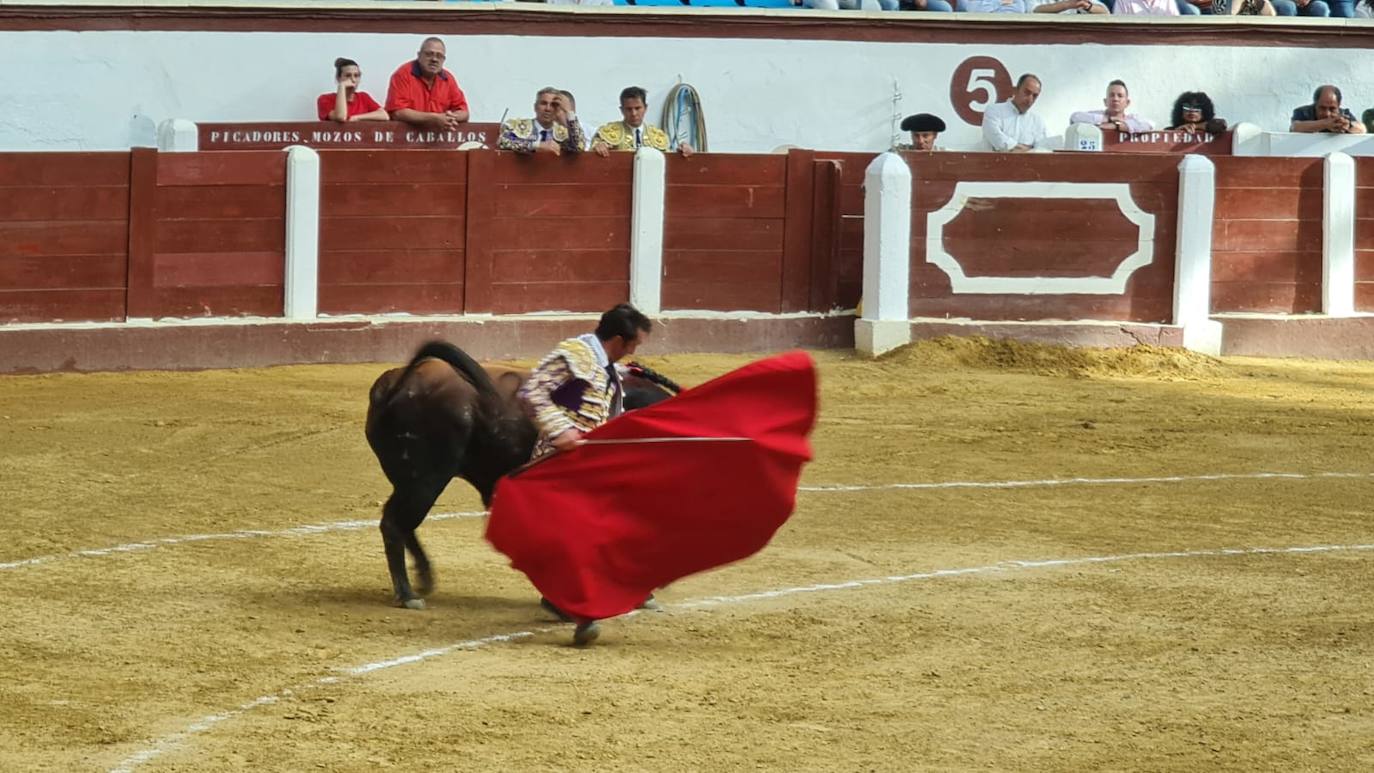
164	610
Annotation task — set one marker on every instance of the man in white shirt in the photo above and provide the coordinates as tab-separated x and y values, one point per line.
1114	117
1009	127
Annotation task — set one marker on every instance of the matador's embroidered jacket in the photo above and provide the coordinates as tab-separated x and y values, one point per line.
618	136
524	135
574	387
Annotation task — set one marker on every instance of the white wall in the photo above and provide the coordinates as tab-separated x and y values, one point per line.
108	90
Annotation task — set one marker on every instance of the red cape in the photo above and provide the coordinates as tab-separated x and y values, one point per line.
600	528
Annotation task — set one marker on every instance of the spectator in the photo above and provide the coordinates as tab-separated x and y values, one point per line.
1114	117
1193	112
1325	115
1302	8
630	133
1009	126
1243	8
942	6
349	104
850	5
1147	8
423	93
1036	6
925	129
554	128
571	102
1194	7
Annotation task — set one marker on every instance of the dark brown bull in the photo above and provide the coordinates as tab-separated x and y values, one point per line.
441	417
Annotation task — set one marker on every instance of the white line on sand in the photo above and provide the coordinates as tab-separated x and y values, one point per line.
293	531
1001	484
300	531
168	743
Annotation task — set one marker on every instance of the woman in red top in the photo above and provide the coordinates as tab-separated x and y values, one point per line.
349	104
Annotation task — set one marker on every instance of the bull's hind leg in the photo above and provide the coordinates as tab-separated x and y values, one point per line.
401	515
424	575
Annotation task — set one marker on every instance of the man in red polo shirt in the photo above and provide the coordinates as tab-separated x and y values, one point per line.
423	93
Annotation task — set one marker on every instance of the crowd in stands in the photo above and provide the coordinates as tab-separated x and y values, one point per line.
425	94
1011	127
1338	8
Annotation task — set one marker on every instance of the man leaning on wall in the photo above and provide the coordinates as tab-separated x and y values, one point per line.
424	94
630	133
1325	115
1010	127
554	128
1113	115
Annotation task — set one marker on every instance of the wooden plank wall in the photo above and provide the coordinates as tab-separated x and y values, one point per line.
97	236
393	228
1045	237
723	232
849	258
548	233
1267	235
1364	234
207	234
64	236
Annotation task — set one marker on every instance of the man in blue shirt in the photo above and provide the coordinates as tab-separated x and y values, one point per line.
1325	115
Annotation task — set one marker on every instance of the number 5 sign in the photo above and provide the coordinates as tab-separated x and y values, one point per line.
978	83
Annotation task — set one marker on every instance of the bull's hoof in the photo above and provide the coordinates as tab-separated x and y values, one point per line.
586	633
413	603
650	605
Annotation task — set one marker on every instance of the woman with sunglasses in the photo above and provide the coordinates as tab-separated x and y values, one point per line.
1193	112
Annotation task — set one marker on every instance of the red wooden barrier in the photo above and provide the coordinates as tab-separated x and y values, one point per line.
393	231
93	236
1364	234
1267	235
548	233
207	234
1014	236
848	266
64	236
724	232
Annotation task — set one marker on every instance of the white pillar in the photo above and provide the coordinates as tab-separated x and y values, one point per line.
885	323
1248	139
1083	136
646	231
1338	236
302	232
1193	256
177	135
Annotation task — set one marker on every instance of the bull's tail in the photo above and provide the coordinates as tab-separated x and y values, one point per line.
459	361
456	358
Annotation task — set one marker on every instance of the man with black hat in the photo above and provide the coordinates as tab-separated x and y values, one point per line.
924	128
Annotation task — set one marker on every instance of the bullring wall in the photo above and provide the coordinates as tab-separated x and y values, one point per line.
112	236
